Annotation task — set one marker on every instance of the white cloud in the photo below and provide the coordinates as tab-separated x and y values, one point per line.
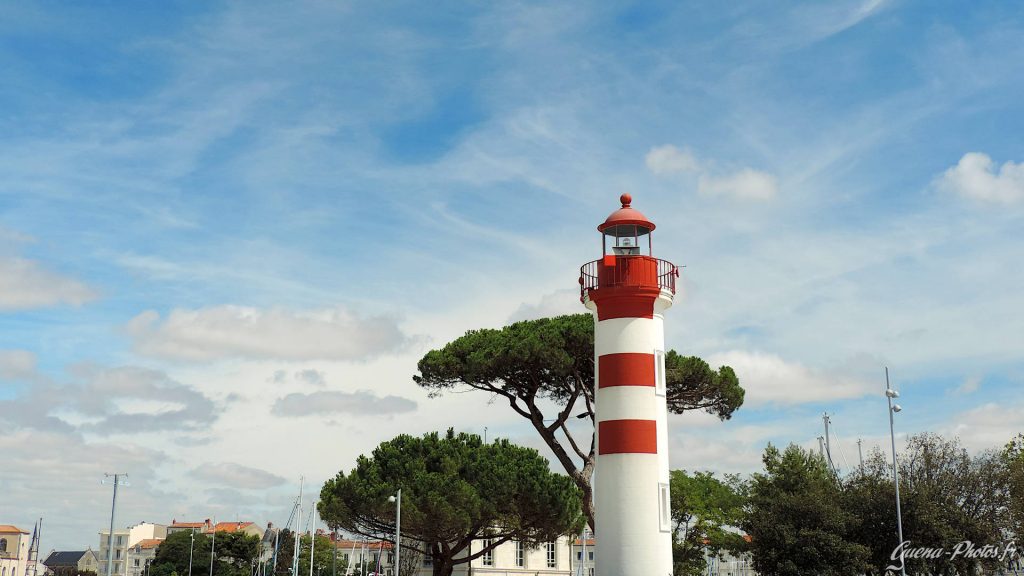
769	379
974	177
969	385
358	403
236	475
238	331
745	184
16	364
988	426
557	303
24	284
57	476
668	159
105	401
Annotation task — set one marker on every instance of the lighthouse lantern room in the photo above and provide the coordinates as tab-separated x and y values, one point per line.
628	290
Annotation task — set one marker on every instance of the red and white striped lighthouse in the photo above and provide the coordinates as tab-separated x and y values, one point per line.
629	290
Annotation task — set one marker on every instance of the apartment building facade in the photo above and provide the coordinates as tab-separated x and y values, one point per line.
507	559
123	541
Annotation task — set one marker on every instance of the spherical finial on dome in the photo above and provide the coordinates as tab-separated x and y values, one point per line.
626	199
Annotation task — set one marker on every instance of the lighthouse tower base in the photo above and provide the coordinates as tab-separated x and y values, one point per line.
631	479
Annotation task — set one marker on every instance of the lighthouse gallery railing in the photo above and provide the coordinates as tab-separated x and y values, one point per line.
666	273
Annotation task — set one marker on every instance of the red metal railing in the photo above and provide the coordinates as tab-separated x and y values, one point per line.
628	271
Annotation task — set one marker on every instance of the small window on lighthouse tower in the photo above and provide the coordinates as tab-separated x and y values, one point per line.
664	515
659	372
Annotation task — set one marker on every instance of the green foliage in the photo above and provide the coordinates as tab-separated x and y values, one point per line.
285	552
692	384
1013	461
948	496
323	555
235	553
703	510
455	489
796	519
870	497
553	359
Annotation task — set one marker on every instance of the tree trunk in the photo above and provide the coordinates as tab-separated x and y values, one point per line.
588	501
443	568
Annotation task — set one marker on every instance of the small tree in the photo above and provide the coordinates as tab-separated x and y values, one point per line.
703	507
796	519
552	359
948	496
456	490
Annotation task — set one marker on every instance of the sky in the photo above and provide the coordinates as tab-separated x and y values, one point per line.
228	230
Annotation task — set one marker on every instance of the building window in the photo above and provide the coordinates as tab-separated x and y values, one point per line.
120	540
659	372
488	557
591	556
664	515
519	555
428	561
136	562
3	547
552	556
117	554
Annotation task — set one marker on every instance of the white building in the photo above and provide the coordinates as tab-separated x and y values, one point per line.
725	564
14	544
123	541
510	558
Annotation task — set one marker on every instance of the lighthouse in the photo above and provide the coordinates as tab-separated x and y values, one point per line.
628	290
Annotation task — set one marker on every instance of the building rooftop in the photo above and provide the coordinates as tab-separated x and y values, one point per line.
8	529
63	558
231	526
149	543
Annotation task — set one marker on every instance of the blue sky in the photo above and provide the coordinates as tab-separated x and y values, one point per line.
229	230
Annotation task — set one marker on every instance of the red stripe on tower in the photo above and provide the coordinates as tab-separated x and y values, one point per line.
627	437
625	369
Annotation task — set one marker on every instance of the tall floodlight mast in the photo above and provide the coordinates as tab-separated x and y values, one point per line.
628	290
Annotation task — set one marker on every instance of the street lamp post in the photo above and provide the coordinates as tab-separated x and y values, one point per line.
191	544
397	499
110	537
893	409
